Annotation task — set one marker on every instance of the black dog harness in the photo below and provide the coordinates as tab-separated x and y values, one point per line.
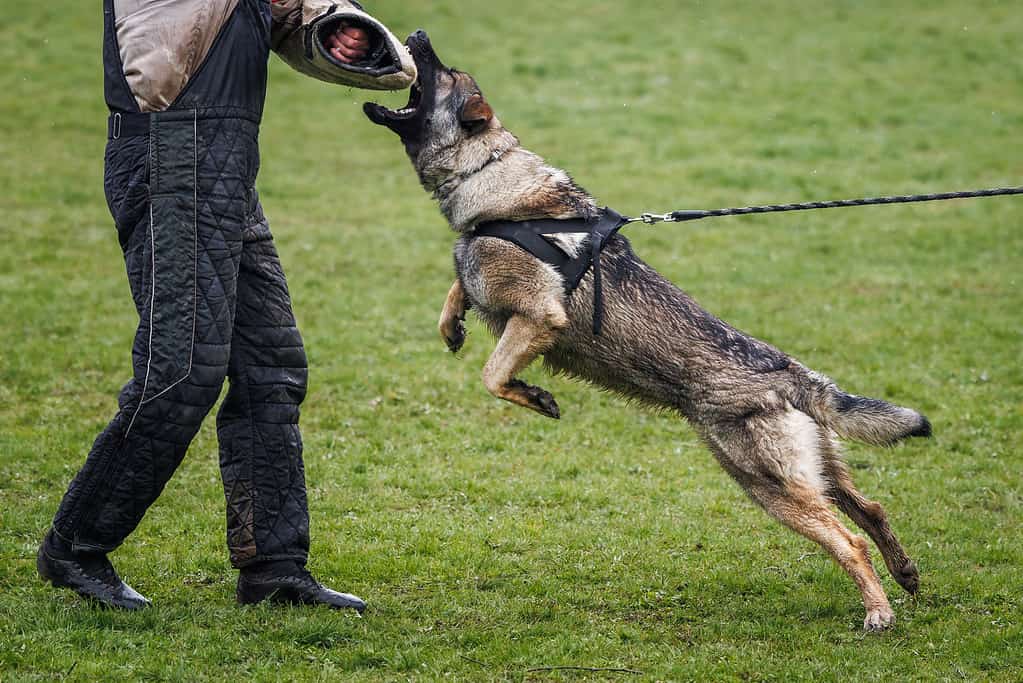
529	235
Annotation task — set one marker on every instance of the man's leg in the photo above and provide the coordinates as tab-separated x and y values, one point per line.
182	268
260	444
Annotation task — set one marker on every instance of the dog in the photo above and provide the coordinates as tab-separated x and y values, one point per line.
772	423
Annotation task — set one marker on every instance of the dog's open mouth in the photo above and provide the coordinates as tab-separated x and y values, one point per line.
381	114
427	64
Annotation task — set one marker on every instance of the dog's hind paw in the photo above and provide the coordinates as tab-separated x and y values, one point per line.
879	619
908	577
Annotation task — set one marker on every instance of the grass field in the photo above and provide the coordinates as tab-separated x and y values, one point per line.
490	541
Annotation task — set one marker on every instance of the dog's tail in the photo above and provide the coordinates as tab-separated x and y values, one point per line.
860	418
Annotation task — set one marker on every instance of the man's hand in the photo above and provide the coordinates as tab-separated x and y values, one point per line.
348	44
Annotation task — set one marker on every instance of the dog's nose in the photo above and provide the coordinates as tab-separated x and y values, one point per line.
420	37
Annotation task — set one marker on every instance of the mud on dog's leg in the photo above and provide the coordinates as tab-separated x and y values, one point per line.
452	316
522	341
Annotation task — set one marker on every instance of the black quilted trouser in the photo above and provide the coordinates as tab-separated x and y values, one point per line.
213	303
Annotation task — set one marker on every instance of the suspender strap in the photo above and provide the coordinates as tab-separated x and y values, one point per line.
126	125
528	235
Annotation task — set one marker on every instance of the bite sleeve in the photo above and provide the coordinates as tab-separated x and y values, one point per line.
300	29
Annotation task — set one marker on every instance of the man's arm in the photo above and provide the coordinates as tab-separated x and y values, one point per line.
339	43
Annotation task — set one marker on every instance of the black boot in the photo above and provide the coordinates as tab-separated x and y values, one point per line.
89	574
288	582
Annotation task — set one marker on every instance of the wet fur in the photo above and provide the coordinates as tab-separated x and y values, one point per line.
771	422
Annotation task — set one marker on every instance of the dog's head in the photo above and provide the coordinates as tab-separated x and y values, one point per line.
446	120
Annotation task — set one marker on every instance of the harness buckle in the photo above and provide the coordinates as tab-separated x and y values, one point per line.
115	132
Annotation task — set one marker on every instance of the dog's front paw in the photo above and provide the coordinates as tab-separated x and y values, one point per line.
545	403
535	398
878	619
453	333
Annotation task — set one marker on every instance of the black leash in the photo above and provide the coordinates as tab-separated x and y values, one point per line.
679	216
529	235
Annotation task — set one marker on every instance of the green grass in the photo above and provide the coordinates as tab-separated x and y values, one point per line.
489	540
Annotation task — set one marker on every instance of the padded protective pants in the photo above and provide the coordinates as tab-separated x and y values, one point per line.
212	303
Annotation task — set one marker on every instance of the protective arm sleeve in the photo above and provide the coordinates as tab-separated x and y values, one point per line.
300	28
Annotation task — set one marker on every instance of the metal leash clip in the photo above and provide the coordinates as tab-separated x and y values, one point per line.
651	218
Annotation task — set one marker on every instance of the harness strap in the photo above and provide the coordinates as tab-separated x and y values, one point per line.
529	236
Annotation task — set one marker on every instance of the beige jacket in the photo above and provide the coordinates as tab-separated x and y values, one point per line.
164	42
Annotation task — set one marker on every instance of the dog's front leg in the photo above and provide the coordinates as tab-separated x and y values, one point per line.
523	340
452	316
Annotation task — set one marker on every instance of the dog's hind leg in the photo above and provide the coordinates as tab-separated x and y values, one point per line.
522	341
871	517
803	509
780	459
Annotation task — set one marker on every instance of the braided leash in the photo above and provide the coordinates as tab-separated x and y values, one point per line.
679	216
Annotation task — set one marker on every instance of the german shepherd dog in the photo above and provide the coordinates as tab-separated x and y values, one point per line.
771	422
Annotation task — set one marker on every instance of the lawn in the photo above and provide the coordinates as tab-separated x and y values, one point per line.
490	541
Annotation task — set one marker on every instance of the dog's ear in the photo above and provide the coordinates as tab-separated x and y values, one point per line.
476	113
